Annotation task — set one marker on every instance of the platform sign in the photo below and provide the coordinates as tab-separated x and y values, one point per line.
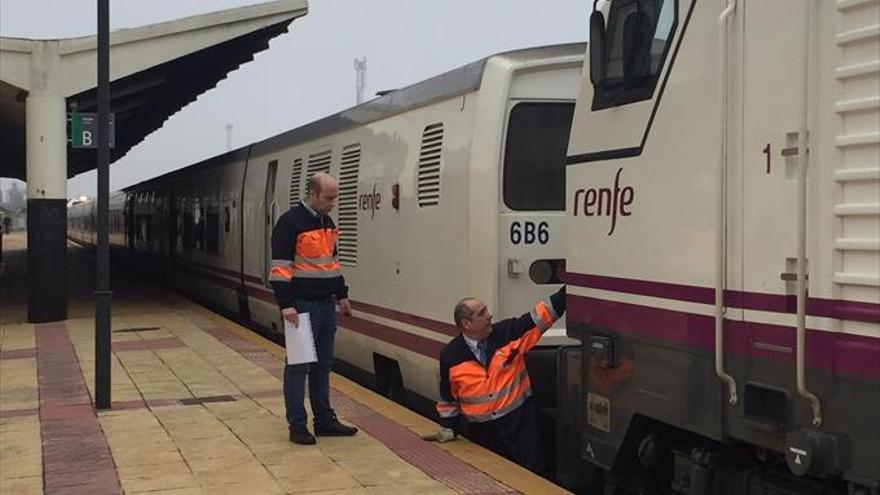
84	130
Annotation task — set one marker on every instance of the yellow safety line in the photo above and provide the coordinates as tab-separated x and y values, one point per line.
497	467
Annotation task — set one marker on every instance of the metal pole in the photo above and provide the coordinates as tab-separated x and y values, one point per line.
103	294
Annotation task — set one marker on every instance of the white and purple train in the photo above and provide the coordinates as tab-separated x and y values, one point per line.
714	192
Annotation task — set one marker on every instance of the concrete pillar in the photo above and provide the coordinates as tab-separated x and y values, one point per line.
46	187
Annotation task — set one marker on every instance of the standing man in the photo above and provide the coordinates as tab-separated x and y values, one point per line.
483	377
306	279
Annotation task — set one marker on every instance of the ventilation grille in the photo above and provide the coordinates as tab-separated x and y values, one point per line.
319	162
348	204
429	165
857	204
296	182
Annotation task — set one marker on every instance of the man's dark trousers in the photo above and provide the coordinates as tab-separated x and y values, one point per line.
515	436
322	314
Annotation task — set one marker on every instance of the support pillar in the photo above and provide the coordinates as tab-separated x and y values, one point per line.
46	189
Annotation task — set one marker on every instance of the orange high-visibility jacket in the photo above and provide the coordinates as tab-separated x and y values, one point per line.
304	258
484	393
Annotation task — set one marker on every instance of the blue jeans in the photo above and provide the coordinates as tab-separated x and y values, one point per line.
323	317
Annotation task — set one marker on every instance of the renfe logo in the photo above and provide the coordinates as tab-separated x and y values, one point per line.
605	201
370	201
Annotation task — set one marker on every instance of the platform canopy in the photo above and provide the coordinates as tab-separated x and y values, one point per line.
155	71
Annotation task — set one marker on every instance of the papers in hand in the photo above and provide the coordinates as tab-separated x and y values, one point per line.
299	341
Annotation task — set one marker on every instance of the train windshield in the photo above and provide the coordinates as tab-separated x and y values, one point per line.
534	156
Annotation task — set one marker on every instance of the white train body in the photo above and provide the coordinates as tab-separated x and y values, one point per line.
440	147
683	176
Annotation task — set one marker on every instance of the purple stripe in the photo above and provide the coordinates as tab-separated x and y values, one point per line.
643	287
759	301
415	343
837	353
419	321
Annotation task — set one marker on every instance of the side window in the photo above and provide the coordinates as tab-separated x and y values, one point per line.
627	52
212	225
534	156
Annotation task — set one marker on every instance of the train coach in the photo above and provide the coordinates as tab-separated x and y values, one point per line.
451	187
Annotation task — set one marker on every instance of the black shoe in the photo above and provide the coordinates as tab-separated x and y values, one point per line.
302	436
334	428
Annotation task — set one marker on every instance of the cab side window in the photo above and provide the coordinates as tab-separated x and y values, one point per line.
627	52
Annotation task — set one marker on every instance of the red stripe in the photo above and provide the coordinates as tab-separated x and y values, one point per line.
268	296
415	343
225	271
393	336
419	321
835	352
827	308
260	293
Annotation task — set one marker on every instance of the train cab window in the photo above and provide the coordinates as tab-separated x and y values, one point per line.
627	52
534	156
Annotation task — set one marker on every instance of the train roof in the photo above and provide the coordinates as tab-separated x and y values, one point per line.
447	85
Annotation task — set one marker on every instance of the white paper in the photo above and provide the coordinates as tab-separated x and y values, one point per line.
299	341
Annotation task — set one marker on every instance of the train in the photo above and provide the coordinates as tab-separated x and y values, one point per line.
723	248
450	187
708	190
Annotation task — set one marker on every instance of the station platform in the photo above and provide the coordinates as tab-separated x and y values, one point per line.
196	408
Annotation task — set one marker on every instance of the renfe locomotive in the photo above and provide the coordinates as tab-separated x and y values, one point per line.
723	247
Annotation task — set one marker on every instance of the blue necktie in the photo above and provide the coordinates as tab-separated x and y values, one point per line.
481	351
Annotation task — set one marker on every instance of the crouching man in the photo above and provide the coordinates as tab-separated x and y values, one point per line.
483	377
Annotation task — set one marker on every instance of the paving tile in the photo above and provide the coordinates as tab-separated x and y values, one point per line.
473	483
65	482
322	475
18	384
382	471
27	425
154	477
20	466
22	486
426	488
251	488
232	472
174	491
162	453
345	491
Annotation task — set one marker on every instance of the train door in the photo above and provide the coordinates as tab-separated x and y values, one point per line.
773	105
532	202
269	215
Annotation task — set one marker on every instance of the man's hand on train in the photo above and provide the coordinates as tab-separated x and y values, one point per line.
442	436
345	306
291	315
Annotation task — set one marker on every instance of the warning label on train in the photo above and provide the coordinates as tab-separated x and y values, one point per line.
599	412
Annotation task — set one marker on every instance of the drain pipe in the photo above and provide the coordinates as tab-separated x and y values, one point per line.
803	161
721	207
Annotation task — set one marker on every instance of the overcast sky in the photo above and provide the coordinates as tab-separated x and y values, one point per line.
308	72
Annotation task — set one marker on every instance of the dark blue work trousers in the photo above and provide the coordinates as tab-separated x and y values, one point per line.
323	318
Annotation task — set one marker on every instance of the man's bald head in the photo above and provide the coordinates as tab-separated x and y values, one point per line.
321	192
319	181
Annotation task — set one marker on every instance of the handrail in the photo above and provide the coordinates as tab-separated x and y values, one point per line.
721	236
803	161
